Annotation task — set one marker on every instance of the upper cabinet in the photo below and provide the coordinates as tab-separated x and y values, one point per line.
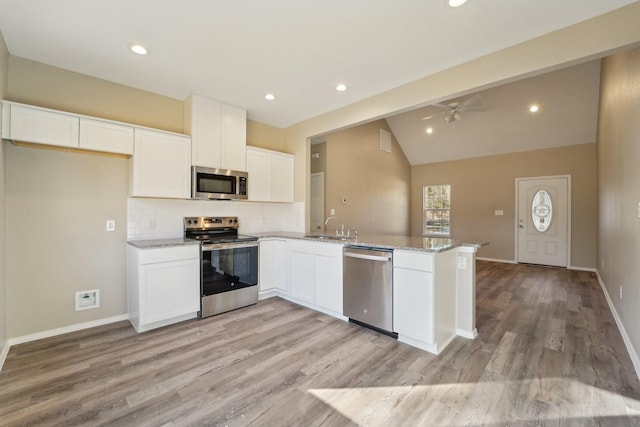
161	166
271	175
218	133
100	135
26	123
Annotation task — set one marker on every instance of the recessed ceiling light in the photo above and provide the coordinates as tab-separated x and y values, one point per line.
341	87
456	3
139	49
269	97
429	131
534	108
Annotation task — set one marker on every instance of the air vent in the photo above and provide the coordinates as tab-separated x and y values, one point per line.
385	141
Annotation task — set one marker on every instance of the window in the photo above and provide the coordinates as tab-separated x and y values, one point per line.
437	206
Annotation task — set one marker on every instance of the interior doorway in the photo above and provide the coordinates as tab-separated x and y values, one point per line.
543	220
317	202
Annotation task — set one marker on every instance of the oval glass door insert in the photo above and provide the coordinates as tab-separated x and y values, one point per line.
541	211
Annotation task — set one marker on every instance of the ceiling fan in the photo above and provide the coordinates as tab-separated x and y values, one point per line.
452	110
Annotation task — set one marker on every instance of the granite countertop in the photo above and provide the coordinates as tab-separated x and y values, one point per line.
411	243
162	243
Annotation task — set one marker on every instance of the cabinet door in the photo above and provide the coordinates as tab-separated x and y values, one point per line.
413	304
328	282
259	170
301	279
282	176
105	136
169	289
43	127
233	154
273	260
202	121
161	165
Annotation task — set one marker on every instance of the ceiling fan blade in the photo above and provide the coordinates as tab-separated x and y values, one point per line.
474	109
440	105
434	115
470	101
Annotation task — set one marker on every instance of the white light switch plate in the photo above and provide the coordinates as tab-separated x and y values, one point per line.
111	225
499	212
462	263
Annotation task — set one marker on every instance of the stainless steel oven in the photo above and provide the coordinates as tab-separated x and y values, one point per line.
228	264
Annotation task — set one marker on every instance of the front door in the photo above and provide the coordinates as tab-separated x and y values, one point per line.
543	220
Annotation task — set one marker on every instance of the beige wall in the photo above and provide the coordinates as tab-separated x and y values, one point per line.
319	164
482	185
375	183
58	202
46	86
265	136
57	205
619	187
4	73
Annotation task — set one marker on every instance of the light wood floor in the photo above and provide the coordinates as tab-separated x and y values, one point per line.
548	353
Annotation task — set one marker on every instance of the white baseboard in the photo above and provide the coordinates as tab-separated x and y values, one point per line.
625	337
467	334
504	261
4	353
573	267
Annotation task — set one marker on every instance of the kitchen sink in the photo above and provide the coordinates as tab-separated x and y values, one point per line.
326	237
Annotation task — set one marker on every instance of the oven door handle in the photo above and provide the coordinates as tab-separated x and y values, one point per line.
218	246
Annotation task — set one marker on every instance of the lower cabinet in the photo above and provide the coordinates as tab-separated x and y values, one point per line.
163	285
315	275
272	267
424	298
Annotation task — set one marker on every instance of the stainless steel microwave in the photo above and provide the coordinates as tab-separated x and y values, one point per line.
218	184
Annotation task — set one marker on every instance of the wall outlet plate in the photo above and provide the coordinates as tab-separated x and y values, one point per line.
462	262
86	300
111	225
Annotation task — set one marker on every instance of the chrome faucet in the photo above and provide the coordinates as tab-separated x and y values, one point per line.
341	225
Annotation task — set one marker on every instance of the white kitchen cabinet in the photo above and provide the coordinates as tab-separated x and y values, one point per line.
233	135
163	285
271	175
161	165
328	281
315	275
413	303
302	278
100	135
218	133
424	298
272	267
25	123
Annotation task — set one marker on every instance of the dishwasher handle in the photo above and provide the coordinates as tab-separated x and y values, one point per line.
385	258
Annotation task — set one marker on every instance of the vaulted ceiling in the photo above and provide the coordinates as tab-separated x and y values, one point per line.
568	111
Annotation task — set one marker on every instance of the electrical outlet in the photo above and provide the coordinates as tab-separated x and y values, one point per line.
111	225
462	262
499	212
86	300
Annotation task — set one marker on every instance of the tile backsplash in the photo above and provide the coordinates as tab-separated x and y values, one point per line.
162	218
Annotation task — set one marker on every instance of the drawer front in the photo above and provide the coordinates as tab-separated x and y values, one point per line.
421	261
173	253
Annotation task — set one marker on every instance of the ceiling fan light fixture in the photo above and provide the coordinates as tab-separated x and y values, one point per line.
456	115
456	3
139	49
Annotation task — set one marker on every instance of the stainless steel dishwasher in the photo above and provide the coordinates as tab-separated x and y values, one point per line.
368	287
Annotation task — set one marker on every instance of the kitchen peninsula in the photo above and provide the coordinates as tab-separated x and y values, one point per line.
433	281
